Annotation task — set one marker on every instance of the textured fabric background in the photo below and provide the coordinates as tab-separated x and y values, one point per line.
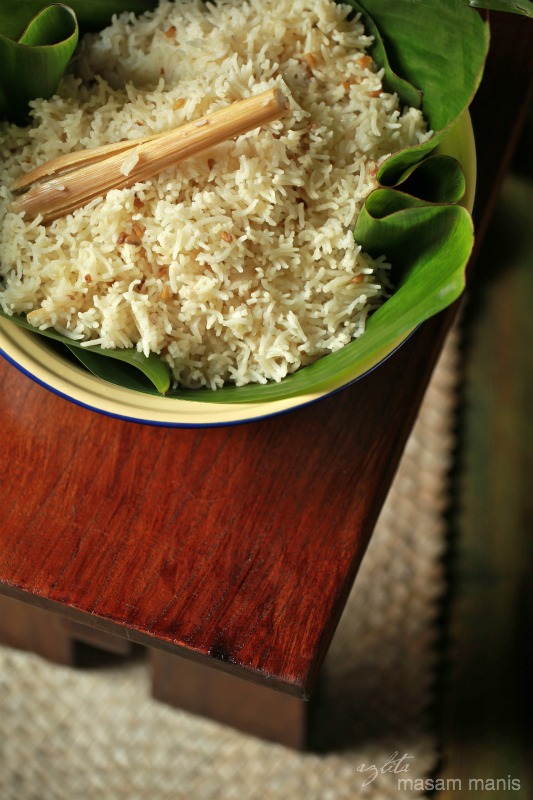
69	734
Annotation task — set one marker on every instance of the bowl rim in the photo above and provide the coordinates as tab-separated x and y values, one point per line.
24	350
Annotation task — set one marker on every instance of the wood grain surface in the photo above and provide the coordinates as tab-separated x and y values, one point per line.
233	546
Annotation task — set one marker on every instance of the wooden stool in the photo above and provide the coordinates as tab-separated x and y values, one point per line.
229	552
214	693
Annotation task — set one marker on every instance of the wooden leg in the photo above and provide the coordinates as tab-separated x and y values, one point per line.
96	638
47	634
249	707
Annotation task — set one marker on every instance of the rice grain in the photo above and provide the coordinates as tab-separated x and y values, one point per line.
154	266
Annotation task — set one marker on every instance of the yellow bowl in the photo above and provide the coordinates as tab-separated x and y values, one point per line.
33	355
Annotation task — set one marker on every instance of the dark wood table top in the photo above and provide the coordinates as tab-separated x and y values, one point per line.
236	546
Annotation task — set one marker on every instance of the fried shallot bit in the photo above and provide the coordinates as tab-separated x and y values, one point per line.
374	93
350	82
178	104
358	279
135	237
364	61
165	293
171	33
226	236
121	238
88	279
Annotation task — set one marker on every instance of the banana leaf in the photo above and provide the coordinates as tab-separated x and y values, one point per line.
91	14
433	53
33	65
122	367
439	47
523	7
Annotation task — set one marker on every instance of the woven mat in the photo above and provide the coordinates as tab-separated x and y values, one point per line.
70	734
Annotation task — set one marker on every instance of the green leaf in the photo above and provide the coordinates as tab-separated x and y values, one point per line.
33	66
123	373
34	56
439	47
437	179
410	95
524	7
405	224
91	14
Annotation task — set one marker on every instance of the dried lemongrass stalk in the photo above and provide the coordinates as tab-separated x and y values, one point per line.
69	161
77	178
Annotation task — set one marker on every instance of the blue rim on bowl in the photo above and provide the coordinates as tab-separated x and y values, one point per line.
32	356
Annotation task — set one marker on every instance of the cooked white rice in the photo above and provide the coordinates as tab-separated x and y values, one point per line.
247	268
